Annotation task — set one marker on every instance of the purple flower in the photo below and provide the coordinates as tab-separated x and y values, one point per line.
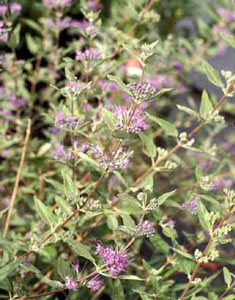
222	183
62	155
4	37
115	260
88	55
81	24
171	223
66	122
108	86
56	3
160	81
15	7
54	130
6	113
3	9
95	283
145	228
141	91
62	23
191	206
70	284
178	65
119	161
225	13
218	29
93	5
85	146
17	102
75	266
229	147
130	122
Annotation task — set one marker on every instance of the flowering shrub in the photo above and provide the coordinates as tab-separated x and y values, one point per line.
116	177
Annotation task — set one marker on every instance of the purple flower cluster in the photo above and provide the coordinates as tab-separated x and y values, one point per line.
17	102
108	86
222	183
14	8
217	29
66	122
141	91
115	260
229	147
62	155
145	228
129	121
95	283
159	81
228	15
56	3
191	206
120	161
93	5
3	34
88	55
70	284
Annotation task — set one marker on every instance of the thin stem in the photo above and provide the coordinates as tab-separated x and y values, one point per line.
16	186
182	297
39	295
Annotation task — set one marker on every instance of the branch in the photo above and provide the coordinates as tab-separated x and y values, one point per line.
16	186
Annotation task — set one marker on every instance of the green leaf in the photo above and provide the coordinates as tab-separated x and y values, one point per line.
166	126
119	82
206	106
128	221
45	212
120	134
33	25
63	268
148	146
15	37
53	283
158	94
230	39
6	285
109	119
188	111
80	249
9	268
88	159
44	149
131	51
227	277
116	290
32	44
112	221
202	214
184	254
230	297
212	74
129	204
164	197
65	206
69	185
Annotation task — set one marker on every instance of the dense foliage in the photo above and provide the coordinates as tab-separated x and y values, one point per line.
116	170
